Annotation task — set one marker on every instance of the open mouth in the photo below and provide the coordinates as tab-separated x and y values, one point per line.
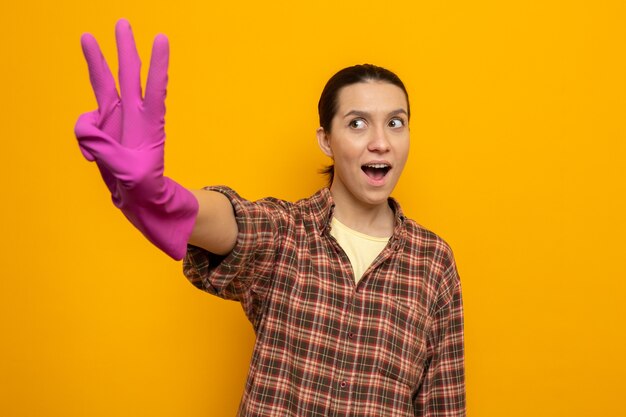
376	171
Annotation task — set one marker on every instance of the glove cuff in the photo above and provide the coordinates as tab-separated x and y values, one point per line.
167	221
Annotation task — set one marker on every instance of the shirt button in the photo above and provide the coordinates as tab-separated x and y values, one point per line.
351	335
343	384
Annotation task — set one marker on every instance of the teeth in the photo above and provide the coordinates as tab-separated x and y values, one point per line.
377	165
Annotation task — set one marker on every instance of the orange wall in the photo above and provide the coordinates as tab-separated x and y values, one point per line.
518	160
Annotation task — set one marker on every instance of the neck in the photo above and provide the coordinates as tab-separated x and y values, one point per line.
370	219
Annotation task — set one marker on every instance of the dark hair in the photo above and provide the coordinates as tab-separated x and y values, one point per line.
327	106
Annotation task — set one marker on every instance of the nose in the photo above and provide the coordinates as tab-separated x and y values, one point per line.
379	142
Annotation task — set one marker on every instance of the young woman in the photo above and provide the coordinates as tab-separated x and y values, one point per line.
356	308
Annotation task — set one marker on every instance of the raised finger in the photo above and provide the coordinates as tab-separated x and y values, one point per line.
100	75
156	85
129	63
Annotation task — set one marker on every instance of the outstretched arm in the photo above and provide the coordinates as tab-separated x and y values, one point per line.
126	138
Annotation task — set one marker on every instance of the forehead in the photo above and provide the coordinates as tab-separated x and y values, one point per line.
371	96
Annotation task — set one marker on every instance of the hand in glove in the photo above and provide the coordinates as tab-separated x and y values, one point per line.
126	138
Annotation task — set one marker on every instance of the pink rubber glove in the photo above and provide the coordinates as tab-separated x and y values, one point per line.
126	137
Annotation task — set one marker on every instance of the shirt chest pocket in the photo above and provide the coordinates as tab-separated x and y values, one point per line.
402	342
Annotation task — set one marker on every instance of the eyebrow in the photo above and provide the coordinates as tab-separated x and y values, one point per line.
366	115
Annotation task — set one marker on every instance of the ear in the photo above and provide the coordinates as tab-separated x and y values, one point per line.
323	141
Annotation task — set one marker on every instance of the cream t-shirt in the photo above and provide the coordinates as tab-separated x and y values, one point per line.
361	249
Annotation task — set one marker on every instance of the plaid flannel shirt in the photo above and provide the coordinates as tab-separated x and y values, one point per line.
391	345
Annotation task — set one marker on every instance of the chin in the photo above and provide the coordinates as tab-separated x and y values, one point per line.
376	197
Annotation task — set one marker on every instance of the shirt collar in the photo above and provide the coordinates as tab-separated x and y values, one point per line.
323	207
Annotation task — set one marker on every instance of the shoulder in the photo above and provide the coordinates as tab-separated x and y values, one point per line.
420	238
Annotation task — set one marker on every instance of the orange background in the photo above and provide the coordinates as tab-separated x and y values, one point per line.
518	160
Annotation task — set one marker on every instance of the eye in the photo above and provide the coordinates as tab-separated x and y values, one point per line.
357	124
396	122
